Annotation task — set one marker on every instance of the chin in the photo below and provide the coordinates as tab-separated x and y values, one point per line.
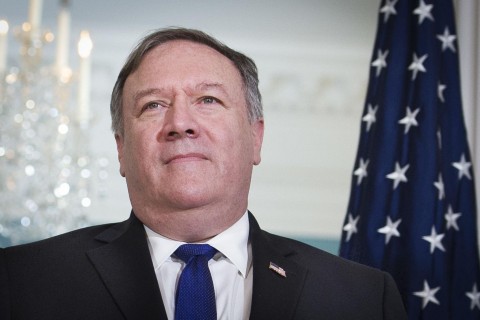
191	199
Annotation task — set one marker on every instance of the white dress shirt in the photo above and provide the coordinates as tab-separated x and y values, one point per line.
231	270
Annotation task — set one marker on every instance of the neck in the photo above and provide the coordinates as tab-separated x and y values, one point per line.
192	225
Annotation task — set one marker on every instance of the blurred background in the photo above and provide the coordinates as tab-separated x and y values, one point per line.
313	59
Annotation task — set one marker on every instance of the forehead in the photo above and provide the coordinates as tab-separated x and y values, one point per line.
186	59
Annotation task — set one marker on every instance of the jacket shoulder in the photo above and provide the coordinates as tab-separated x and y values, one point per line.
69	240
71	244
312	257
346	285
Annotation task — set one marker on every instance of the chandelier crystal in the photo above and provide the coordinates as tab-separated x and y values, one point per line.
49	176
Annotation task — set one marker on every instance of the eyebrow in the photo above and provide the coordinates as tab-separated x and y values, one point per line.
146	92
213	85
201	86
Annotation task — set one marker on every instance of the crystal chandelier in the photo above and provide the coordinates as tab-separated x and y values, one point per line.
48	174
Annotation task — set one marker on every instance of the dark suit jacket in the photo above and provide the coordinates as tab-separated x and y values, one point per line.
105	272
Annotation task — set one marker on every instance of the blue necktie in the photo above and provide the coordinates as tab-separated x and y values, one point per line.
195	295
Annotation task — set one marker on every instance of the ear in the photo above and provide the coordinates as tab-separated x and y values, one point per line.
120	141
257	133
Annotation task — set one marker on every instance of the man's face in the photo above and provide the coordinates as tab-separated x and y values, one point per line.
187	141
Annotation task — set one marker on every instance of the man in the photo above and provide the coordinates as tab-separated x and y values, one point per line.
188	123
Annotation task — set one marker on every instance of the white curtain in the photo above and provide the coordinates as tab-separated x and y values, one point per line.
468	32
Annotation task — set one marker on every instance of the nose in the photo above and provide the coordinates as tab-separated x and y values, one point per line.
180	122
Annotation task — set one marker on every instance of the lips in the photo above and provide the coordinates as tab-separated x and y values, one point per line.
186	158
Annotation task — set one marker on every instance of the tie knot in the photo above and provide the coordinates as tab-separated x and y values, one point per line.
188	251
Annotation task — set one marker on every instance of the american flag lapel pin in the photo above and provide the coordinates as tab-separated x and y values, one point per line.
277	269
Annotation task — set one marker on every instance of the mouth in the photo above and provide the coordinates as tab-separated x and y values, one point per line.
188	157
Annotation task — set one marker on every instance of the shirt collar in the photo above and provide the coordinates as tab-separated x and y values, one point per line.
232	243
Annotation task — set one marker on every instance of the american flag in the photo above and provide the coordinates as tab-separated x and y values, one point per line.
412	208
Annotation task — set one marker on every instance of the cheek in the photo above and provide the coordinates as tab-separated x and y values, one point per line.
137	151
239	145
245	138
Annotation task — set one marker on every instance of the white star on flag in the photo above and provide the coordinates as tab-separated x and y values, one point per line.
351	226
447	40
435	240
428	295
398	175
380	62
474	295
440	186
388	9
370	117
423	11
451	218
409	119
361	171
463	168
417	65
390	229
440	89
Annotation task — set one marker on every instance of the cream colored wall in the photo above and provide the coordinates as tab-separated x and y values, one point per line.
313	59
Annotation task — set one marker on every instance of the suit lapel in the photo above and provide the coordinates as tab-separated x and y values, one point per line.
126	268
274	296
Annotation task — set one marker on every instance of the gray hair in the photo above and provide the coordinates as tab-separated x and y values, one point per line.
245	65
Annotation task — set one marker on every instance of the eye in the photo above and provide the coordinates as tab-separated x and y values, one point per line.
209	100
152	105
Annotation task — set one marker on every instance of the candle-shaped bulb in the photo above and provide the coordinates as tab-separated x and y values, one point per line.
63	36
85	45
35	14
3	27
3	45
